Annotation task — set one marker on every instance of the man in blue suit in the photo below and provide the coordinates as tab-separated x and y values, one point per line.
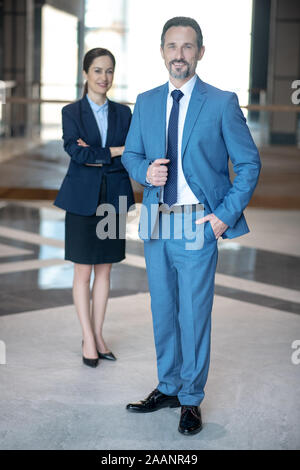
181	136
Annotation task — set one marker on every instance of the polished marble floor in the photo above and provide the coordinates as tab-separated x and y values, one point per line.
34	275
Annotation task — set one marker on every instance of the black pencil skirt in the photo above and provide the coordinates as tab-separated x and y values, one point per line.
82	244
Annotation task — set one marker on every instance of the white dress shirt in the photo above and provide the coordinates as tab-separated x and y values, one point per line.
184	193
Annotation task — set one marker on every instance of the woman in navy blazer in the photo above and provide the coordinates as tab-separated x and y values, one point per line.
94	133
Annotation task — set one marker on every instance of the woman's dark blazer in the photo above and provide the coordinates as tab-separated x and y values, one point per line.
79	192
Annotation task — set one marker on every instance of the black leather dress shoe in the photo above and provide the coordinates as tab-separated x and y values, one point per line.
190	420
155	401
110	356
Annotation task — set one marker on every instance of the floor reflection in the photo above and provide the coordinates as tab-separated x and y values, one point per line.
33	289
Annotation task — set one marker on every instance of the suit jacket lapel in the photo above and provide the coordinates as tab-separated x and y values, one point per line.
158	123
89	123
197	100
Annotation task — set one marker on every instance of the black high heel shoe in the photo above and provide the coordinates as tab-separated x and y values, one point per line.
110	356
89	362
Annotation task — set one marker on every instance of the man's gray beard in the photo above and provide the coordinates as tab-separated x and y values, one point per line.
180	75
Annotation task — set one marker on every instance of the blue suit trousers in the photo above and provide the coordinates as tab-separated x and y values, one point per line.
181	274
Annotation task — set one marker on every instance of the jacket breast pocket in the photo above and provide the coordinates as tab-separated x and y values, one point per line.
207	130
207	124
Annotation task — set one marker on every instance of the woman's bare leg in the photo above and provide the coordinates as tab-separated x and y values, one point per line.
100	295
81	296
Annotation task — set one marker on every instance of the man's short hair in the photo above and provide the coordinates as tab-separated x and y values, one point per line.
183	21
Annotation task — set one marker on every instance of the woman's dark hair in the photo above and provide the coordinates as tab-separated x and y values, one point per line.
89	58
183	21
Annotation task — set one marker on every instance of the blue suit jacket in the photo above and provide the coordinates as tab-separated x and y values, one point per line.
79	192
215	129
